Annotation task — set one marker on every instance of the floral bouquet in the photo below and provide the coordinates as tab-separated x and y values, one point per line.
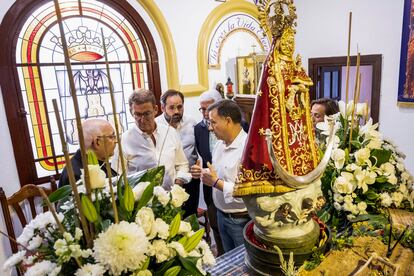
141	234
366	172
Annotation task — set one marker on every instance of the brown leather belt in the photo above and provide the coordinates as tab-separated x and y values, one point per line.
244	214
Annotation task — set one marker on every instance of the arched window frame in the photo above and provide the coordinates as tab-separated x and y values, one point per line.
10	28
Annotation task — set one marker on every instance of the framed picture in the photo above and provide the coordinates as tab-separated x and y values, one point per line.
406	80
248	70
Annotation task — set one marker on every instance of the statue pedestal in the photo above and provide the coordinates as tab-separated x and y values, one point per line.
262	259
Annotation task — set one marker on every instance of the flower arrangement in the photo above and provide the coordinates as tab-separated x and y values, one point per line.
366	172
142	235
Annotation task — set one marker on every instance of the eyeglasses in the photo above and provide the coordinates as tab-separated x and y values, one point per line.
146	115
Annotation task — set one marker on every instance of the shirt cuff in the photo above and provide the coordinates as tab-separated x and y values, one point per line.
184	176
228	188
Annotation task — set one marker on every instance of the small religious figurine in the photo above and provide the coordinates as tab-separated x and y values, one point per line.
220	89
229	85
246	81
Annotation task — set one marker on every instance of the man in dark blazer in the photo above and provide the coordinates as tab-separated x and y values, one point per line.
205	141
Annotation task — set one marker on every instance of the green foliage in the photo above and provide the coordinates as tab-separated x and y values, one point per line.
315	260
60	194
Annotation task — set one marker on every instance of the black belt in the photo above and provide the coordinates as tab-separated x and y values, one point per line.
243	214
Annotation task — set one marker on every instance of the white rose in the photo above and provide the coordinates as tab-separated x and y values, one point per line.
386	200
145	217
185	227
161	251
160	228
179	248
338	156
179	196
162	195
97	177
397	198
139	190
362	156
344	184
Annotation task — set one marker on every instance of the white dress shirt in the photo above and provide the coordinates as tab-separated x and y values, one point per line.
140	153
186	130
226	161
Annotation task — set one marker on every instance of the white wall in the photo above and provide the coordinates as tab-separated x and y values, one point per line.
376	29
322	32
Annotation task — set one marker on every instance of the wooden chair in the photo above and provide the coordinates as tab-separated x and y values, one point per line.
27	194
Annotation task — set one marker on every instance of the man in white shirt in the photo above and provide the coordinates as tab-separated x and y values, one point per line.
172	106
147	144
232	216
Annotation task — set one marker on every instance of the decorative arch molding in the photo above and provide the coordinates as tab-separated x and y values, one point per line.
237	22
229	7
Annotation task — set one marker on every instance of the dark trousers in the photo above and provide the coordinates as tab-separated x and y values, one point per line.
212	217
193	189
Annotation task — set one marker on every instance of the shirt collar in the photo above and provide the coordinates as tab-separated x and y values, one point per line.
238	141
144	134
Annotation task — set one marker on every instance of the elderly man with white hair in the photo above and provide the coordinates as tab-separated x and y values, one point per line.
94	131
205	141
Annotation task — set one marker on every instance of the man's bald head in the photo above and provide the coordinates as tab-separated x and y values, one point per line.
93	131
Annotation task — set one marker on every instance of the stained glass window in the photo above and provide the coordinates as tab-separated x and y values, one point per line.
43	76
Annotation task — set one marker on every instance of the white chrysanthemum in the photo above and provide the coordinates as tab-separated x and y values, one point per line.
35	242
208	257
91	270
179	248
145	218
162	195
14	260
39	222
121	248
43	268
139	190
200	268
161	251
400	166
386	199
179	196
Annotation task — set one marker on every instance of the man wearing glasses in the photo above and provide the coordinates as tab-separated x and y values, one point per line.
94	131
172	106
148	144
